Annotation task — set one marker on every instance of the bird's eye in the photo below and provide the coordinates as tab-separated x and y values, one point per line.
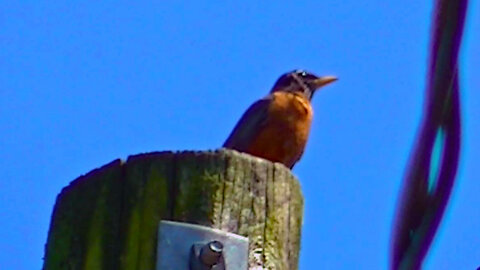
303	74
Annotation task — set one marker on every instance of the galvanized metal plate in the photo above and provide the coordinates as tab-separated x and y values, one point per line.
175	241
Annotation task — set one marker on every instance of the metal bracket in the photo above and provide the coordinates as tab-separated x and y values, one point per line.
183	246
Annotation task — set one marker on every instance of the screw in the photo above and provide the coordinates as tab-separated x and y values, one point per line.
210	253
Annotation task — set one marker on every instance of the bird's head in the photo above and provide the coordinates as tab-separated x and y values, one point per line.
300	81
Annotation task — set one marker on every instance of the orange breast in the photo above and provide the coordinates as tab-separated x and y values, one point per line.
286	130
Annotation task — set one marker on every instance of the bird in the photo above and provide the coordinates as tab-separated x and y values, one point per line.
277	126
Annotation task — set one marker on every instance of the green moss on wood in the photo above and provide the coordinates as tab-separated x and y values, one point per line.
146	194
77	236
108	219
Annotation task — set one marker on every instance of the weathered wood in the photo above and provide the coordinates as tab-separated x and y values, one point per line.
108	219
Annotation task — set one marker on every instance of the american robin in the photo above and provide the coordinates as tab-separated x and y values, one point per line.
276	127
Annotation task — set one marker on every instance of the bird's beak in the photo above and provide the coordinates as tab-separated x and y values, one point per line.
322	81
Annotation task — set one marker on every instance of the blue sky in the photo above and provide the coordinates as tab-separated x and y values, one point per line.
87	82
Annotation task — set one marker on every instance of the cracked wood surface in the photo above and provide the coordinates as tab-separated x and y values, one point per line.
108	218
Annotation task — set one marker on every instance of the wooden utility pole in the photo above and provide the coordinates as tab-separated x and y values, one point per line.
108	218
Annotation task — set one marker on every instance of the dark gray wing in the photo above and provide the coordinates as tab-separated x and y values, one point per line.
249	125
